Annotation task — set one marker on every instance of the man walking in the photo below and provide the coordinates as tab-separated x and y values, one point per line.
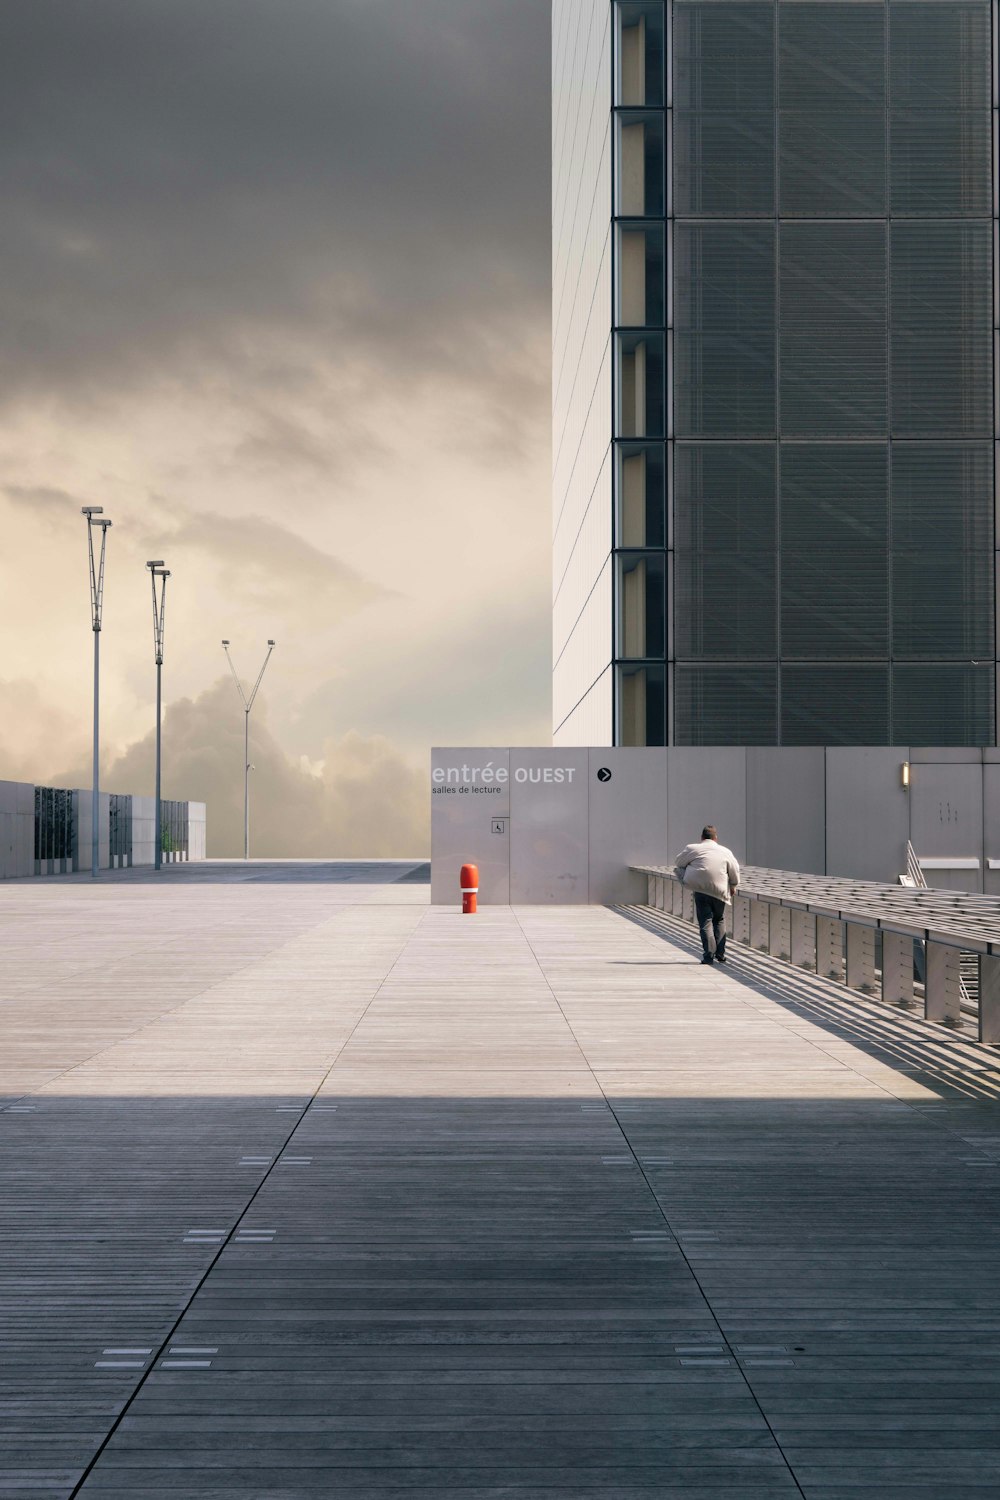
710	870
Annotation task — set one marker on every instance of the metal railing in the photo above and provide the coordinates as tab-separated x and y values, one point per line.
968	962
862	933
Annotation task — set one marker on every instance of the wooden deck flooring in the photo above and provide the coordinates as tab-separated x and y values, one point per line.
311	1190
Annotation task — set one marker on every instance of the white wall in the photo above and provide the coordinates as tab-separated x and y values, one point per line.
17	829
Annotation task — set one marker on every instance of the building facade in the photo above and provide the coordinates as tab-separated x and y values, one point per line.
46	830
774	391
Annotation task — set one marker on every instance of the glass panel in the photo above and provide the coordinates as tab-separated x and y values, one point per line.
725	540
943	705
835	705
942	345
640	53
834	557
725	705
640	275
642	698
641	604
724	329
724	108
641	495
832	108
640	165
640	385
833	329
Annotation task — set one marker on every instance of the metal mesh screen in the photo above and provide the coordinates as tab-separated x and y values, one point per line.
824	704
724	329
725	705
832	109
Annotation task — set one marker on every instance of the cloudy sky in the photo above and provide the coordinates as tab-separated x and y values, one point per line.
274	291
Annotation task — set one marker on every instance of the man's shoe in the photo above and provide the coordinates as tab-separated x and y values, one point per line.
720	958
708	959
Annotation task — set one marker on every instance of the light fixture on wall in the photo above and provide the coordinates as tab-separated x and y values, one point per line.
904	776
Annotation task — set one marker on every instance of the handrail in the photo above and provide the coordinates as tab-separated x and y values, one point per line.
829	923
914	868
969	919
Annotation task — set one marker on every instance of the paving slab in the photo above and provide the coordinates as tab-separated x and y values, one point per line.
310	1188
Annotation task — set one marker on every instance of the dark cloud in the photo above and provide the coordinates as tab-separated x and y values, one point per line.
264	185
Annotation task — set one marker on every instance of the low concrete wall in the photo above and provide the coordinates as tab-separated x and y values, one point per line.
563	826
17	831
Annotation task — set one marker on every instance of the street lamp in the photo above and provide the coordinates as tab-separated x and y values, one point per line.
247	706
96	609
158	571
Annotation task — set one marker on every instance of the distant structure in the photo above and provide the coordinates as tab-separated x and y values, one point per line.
773	372
46	830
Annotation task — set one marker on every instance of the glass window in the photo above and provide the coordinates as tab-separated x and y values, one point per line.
640	53
642	702
642	605
641	494
834	550
640	165
833	329
725	705
942	342
823	704
640	385
724	329
832	108
943	704
640	275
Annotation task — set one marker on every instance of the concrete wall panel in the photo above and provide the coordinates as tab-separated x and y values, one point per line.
549	827
867	812
628	821
470	827
946	822
785	808
197	830
707	785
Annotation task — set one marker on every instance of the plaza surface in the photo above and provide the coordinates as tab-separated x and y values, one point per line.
312	1189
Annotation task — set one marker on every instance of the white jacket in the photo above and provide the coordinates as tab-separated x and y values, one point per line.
709	867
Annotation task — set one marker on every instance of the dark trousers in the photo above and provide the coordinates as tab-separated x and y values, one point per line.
711	912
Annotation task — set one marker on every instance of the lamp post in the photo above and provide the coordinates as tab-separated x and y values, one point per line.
158	571
247	706
96	609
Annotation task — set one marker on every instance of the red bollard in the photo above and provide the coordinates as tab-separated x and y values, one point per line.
469	880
